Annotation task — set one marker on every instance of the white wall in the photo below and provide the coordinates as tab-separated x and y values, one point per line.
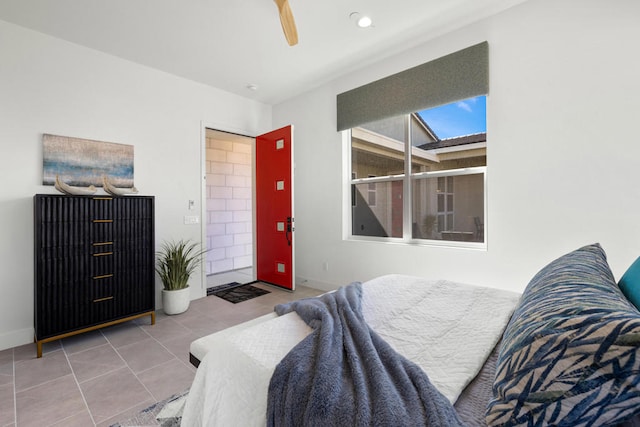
51	86
563	155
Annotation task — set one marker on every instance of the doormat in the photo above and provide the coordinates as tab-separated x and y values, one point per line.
212	290
235	292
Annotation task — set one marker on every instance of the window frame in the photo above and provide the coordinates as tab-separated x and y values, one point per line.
407	178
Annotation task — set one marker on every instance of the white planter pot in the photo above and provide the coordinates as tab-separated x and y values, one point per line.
176	302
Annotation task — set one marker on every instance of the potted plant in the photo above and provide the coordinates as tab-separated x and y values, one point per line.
175	263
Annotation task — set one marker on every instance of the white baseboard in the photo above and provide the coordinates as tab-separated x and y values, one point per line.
315	284
16	338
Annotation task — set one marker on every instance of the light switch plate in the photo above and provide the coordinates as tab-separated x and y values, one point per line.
191	219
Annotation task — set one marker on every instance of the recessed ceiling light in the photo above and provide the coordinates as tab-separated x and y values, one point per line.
364	22
361	21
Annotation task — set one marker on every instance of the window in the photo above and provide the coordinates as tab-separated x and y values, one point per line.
425	175
420	178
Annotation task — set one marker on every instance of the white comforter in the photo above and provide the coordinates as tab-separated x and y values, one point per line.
447	328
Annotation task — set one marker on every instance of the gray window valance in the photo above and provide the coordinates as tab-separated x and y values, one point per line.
459	75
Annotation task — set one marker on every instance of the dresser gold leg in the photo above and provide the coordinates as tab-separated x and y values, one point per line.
39	348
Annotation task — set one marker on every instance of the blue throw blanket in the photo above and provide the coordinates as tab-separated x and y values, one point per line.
344	374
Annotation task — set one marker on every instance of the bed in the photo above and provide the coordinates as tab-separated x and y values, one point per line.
565	352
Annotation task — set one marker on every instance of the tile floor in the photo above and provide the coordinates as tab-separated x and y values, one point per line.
105	376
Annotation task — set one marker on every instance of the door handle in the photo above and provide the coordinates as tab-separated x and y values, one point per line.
290	229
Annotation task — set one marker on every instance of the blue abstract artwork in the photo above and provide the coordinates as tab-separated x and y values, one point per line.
83	162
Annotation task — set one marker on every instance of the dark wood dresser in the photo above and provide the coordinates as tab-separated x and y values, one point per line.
94	263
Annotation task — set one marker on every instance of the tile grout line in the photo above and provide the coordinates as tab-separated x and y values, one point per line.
130	370
73	373
169	351
104	373
44	383
153	396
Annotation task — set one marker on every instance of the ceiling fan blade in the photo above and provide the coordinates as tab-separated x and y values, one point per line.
287	21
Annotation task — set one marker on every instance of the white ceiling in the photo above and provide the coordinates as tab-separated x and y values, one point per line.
232	44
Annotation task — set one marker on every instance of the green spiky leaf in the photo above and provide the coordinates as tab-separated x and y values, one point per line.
176	261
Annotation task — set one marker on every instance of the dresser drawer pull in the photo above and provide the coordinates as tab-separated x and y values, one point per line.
102	243
103	254
104	276
102	299
102	220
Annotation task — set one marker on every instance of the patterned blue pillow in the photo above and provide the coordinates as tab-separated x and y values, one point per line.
570	355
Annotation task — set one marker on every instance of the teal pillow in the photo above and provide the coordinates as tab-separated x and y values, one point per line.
630	283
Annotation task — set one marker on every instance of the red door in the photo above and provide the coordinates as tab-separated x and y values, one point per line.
274	208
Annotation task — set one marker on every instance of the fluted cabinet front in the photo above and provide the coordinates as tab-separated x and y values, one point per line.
94	263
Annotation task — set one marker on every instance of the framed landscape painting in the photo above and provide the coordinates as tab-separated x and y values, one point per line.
83	162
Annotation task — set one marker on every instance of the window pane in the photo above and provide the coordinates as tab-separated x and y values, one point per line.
460	218
377	149
383	218
458	119
457	136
